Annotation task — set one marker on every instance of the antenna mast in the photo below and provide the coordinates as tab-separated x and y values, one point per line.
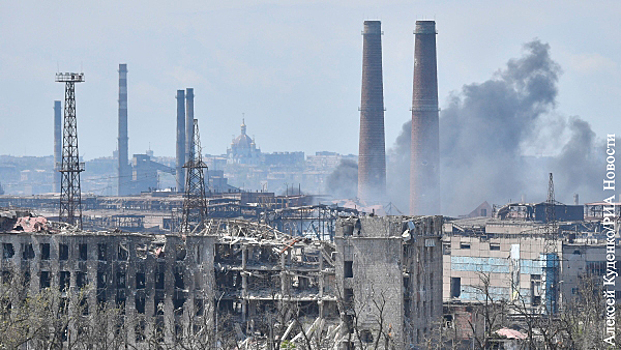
70	166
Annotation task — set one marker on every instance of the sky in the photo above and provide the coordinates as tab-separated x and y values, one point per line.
292	69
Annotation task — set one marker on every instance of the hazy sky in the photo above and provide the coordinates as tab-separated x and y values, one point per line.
293	67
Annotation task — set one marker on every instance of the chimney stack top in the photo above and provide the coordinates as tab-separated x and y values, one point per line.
372	27
425	27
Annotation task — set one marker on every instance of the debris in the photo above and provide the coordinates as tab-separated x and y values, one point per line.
31	224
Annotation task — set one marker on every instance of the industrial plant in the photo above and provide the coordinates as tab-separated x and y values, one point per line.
248	250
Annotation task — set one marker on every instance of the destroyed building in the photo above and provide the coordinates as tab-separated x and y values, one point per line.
140	274
389	274
262	284
519	257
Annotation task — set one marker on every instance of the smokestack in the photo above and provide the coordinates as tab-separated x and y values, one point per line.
425	151
181	130
124	171
58	144
371	148
576	199
189	123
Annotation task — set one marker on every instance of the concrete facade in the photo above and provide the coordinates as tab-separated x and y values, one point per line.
584	258
379	279
161	276
389	272
467	258
538	269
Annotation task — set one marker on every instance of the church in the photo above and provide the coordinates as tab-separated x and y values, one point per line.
243	149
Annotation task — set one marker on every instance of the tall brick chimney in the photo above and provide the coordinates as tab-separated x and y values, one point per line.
371	149
425	151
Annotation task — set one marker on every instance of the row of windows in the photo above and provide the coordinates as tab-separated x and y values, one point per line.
81	279
446	247
28	253
122	253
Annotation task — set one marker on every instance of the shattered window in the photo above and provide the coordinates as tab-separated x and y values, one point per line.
366	336
80	279
140	330
349	297
44	281
198	254
140	282
45	251
180	253
158	307
63	252
123	252
83	306
6	276
102	250
7	251
65	280
179	278
119	301
178	306
101	299
199	307
102	280
83	251
349	269
446	248
140	304
120	279
27	251
159	278
26	280
141	250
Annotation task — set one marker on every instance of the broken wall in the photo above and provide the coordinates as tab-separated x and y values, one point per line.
166	277
389	272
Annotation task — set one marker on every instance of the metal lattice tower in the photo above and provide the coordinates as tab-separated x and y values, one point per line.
551	262
194	201
551	209
70	166
551	189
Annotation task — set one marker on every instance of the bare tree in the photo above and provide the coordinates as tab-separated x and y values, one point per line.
492	309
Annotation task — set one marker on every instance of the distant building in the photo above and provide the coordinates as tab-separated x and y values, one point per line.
284	159
521	260
144	173
243	149
482	210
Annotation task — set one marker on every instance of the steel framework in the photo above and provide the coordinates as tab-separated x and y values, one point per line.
318	221
552	261
70	167
194	201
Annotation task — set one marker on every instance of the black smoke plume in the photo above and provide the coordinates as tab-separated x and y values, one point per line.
486	132
343	181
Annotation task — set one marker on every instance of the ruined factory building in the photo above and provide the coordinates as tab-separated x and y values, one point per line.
239	283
